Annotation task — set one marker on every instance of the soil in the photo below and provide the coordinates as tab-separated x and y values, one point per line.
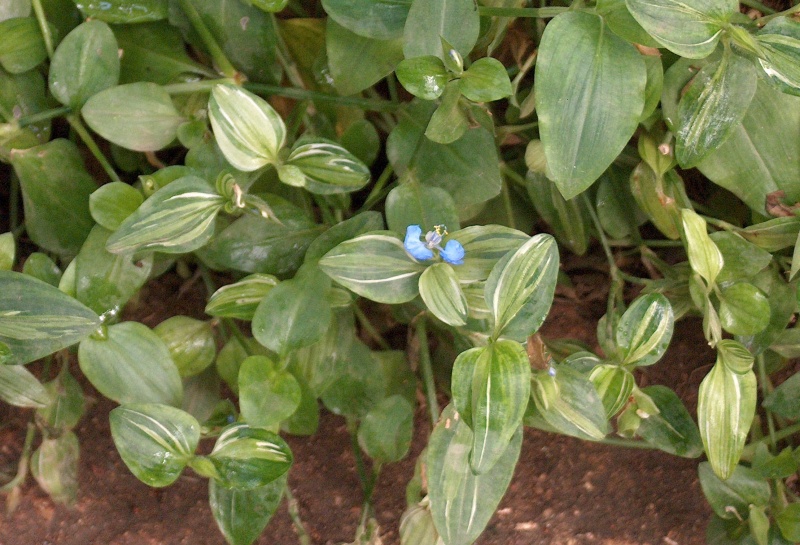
564	491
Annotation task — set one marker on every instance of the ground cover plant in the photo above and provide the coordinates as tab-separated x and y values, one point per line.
318	165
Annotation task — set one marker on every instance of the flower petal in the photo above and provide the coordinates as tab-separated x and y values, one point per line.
414	245
453	252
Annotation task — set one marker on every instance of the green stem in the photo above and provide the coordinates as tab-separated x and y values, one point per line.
294	513
507	204
538	13
13	203
514	175
195	86
749	450
220	59
649	243
285	57
755	4
77	126
233	328
427	369
626	443
361	468
764	20
41	18
766	389
22	467
43	116
375	194
373	105
369	328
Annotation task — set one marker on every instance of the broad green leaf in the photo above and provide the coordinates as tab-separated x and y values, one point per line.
773	235
484	246
785	399
246	458
268	395
654	87
589	89
361	138
778	466
732	496
190	343
359	387
85	63
23	94
231	356
357	225
104	281
249	131
55	195
67	403
672	429
304	420
15	8
689	28
136	116
660	198
468	168
155	441
713	106
416	526
449	122
491	388
441	292
424	77
8	251
743	309
644	331
379	19
412	203
520	288
20	388
725	409
375	59
243	514
37	319
123	11
779	42
21	44
131	364
568	219
485	80
742	260
112	203
789	522
616	15
385	432
326	168
375	266
704	256
614	385
240	299
293	314
462	502
54	465
176	219
430	21
615	204
39	265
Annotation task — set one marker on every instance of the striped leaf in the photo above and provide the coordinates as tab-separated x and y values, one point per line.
375	266
243	514
247	458
155	441
240	299
442	294
780	45
484	246
176	219
326	168
20	388
644	331
704	256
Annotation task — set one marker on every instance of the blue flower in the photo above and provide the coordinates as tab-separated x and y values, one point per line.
453	251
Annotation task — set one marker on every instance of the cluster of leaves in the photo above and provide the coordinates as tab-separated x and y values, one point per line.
276	197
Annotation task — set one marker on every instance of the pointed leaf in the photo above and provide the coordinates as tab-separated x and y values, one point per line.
385	432
644	331
704	256
20	388
327	168
247	458
54	465
430	21
67	402
424	77
243	514
485	80
268	395
743	309
379	19
735	494
484	246
190	343
240	299
780	45
442	294
672	429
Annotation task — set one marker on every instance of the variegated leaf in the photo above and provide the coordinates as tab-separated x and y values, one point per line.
442	294
704	256
644	331
247	458
327	168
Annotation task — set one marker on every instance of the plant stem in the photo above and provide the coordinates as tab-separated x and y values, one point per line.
539	13
369	328
43	116
507	204
514	175
766	389
375	193
763	20
217	55
41	18
361	468
427	369
13	203
77	126
749	450
755	4
626	443
22	467
374	105
615	290
294	513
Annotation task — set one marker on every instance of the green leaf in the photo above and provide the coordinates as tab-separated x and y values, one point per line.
714	104
484	246
240	299
491	388
732	496
375	59
569	219
39	265
614	385
660	198
246	458
789	521
357	225
15	8
742	260
385	432
20	388
8	251
644	331
412	203
785	399
176	219
375	266
379	19
358	387
424	77
589	89
485	80
462	502
243	514
85	63
779	42
430	21
37	319
293	314
155	441
131	365
449	122
21	44
190	343
725	409
743	309
362	140
249	131
672	429
616	15
112	203
123	11
55	195
689	28
520	288
615	204
136	116
67	403
268	395
54	465
441	292
327	168
704	256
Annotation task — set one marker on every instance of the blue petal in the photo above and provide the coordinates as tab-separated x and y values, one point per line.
414	245
453	252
